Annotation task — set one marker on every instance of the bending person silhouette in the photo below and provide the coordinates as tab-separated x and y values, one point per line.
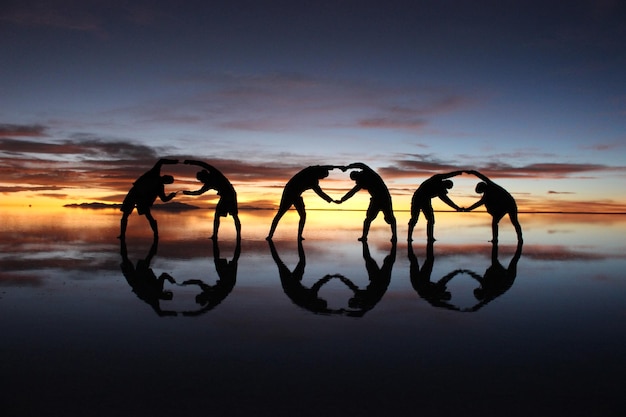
497	279
368	179
144	281
213	295
498	202
291	281
143	194
307	179
435	186
435	293
379	279
213	179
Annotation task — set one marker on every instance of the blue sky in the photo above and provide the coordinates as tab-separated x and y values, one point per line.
532	93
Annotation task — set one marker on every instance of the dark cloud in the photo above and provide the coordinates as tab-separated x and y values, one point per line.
390	123
19	189
72	15
417	165
15	130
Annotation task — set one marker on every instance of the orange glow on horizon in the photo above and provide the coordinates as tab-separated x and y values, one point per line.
267	195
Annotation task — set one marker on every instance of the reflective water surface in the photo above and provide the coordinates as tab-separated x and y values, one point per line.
330	327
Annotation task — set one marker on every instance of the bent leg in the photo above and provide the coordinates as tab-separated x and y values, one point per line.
430	223
370	215
237	225
153	223
277	218
391	220
123	225
216	225
516	225
299	204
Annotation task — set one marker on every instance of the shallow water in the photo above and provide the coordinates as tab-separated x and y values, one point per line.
335	327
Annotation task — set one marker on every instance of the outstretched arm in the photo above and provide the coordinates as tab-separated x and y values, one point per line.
446	199
165	198
479	175
202	190
476	204
164	161
200	164
451	174
359	165
318	191
350	193
331	167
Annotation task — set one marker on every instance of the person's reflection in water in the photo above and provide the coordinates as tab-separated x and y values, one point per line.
497	279
291	282
308	298
365	300
143	280
435	293
212	295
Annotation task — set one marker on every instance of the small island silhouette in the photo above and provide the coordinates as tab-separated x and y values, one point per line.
174	206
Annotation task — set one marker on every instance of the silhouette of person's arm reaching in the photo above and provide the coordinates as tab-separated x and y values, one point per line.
205	187
307	179
213	179
380	200
498	202
144	192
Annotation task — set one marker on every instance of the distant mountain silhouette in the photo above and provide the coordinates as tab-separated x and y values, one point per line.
174	206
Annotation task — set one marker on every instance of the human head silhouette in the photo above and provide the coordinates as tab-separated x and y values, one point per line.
354	175
481	187
448	184
167	179
203	176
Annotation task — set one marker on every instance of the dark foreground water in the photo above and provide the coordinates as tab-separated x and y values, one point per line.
332	328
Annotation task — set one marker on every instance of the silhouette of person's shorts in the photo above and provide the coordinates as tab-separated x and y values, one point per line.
225	206
376	206
134	198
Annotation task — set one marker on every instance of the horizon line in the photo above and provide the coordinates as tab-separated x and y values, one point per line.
96	205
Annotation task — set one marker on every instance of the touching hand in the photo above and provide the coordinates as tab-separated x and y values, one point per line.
337	201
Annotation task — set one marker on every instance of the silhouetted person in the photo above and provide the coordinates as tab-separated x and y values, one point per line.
213	179
212	295
307	179
291	282
435	293
143	194
498	202
143	280
435	186
368	179
497	279
365	300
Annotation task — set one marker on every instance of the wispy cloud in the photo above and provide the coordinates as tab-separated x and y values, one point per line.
89	16
418	165
276	102
16	130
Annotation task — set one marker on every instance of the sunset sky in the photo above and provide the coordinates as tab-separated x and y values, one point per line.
531	93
